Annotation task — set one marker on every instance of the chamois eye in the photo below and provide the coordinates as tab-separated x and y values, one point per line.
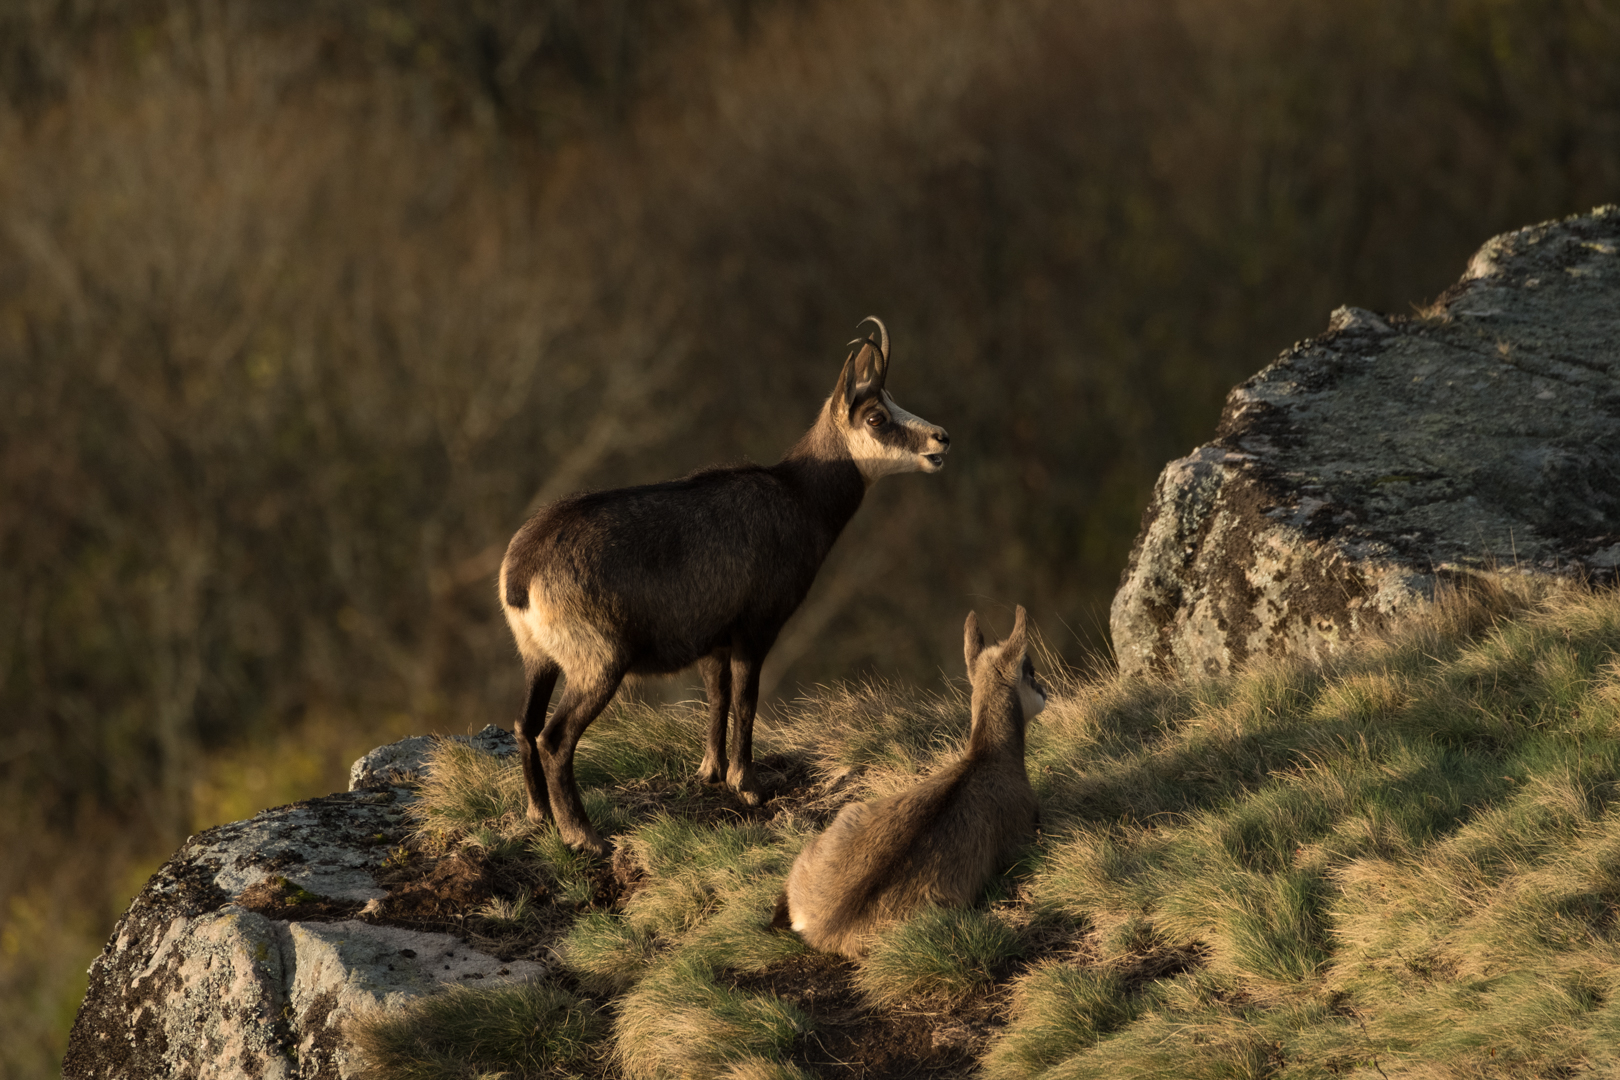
876	419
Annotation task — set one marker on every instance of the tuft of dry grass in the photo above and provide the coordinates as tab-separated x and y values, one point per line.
941	953
757	1068
1058	1010
468	793
679	1022
531	1029
879	734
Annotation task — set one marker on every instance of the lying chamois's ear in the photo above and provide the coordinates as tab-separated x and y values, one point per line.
1014	644
972	639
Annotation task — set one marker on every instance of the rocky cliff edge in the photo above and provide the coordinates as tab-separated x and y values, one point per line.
1367	466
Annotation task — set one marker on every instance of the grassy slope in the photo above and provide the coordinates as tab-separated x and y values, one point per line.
1408	864
301	305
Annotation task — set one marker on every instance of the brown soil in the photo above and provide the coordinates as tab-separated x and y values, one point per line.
790	786
851	1039
277	898
450	888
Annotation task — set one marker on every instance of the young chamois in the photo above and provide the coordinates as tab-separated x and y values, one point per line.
939	842
704	570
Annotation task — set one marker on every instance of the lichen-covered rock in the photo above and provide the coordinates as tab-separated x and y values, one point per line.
1367	465
248	950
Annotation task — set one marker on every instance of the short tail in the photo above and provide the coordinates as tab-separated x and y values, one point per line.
514	585
780	919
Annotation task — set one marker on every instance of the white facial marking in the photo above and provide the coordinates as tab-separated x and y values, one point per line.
1031	698
877	458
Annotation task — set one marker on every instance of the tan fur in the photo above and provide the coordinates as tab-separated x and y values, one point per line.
938	842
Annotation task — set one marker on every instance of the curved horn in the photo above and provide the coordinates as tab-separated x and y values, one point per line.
883	335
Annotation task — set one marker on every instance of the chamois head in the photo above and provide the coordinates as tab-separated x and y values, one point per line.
1005	689
881	436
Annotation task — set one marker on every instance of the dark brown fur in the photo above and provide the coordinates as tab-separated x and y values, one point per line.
939	842
702	570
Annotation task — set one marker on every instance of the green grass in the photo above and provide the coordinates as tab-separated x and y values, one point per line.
942	952
678	1022
1404	862
527	1029
1058	1011
467	793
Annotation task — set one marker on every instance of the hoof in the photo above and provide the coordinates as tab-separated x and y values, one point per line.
588	842
595	846
711	774
746	785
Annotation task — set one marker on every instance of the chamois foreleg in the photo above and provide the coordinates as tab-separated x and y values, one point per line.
582	701
745	665
542	680
716	671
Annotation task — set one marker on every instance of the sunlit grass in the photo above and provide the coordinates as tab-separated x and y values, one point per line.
1058	1010
885	734
465	1033
941	953
467	793
635	740
1403	860
679	1022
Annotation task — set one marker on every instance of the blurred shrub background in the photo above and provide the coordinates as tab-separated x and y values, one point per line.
304	307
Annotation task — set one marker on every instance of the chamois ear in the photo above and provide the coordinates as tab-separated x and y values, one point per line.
972	640
864	373
1015	640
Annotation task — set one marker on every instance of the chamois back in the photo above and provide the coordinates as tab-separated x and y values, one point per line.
938	842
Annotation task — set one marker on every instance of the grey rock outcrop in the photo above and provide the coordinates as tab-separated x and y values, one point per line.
1368	465
247	951
402	762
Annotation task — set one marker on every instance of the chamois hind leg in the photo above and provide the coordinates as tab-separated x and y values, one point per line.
716	671
542	680
581	702
744	700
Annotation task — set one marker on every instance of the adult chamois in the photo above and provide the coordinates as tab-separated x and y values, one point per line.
938	842
705	570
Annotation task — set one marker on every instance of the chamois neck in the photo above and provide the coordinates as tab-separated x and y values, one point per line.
825	477
998	728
